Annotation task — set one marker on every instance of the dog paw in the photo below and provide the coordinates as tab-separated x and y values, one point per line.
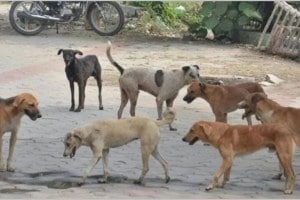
102	180
288	191
277	176
139	182
80	183
71	109
2	168
10	168
209	187
77	110
168	179
101	108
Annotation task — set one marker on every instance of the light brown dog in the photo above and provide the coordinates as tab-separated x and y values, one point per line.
102	135
237	140
11	111
269	111
221	98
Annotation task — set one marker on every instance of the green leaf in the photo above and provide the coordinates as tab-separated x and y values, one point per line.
232	14
226	25
211	22
207	8
253	14
249	10
221	8
243	20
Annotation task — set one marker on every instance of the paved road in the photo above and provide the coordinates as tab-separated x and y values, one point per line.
31	64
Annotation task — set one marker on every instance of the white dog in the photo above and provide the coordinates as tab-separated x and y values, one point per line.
102	135
163	84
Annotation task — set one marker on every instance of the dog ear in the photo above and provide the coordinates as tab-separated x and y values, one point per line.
206	129
186	69
257	97
77	134
59	51
18	100
202	86
78	52
197	67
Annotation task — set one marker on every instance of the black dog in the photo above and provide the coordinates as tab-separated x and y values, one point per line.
79	70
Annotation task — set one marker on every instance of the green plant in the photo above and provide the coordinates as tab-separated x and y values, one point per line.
226	18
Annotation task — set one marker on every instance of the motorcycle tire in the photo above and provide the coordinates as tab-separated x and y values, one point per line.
93	9
16	26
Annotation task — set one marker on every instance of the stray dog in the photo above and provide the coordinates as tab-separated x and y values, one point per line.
221	98
162	84
269	111
11	111
102	135
79	70
241	140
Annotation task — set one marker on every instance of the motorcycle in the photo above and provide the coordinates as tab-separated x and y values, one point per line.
31	17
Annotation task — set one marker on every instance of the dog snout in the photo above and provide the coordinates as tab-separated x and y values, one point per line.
65	155
183	139
188	99
39	115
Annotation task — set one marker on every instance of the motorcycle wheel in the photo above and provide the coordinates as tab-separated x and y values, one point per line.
106	17
23	24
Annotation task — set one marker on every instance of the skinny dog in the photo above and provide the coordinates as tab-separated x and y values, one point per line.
269	111
11	111
162	84
100	136
79	70
222	99
241	140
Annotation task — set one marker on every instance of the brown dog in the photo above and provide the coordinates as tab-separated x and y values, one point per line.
269	111
11	112
241	140
222	99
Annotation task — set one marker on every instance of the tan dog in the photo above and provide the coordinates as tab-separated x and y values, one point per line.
11	112
163	84
102	135
237	140
222	99
269	111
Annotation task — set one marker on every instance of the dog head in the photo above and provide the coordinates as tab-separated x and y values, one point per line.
72	142
191	73
28	104
251	100
69	55
199	131
196	89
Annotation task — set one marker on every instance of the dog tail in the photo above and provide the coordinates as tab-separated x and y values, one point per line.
168	117
114	63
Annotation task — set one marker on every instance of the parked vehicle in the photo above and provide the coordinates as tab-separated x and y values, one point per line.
31	17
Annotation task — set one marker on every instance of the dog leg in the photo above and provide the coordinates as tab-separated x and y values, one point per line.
72	96
226	177
221	117
99	83
286	161
105	166
226	165
164	163
249	121
145	157
133	97
159	106
2	166
285	155
169	103
81	86
279	175
124	101
12	144
91	166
